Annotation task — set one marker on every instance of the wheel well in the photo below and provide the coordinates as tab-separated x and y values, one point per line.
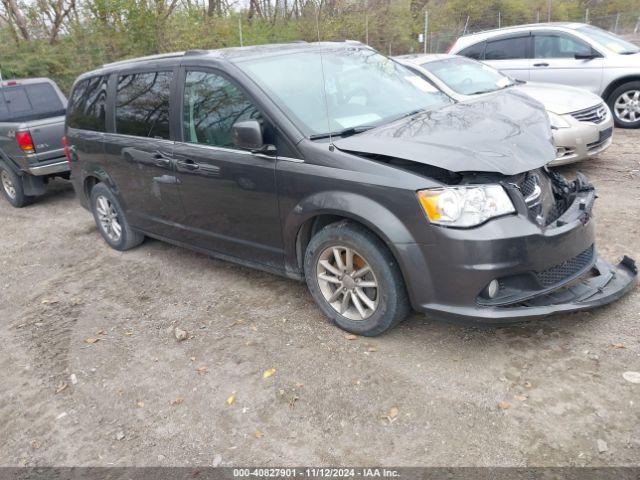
308	230
89	183
313	225
616	83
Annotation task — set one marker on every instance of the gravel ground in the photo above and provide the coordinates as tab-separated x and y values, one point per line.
425	394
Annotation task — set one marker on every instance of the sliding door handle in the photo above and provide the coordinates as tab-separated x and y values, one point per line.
161	161
188	164
541	64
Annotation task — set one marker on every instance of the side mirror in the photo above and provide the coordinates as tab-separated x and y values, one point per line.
247	135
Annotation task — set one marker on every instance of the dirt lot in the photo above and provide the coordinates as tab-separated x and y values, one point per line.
427	393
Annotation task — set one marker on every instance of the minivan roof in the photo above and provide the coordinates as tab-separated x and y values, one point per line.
230	54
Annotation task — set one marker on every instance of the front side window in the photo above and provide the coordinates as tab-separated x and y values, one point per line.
556	46
340	89
506	49
87	105
211	106
142	104
466	76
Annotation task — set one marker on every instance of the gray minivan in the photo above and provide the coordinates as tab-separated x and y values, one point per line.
331	163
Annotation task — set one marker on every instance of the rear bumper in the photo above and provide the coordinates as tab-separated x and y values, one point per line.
49	168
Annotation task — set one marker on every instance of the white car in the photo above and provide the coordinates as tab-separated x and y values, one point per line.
573	54
581	122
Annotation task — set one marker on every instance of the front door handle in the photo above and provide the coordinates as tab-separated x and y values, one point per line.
188	164
540	64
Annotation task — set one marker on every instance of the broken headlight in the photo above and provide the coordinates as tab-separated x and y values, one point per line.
466	206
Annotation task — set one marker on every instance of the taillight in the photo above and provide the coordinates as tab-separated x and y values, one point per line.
67	153
25	142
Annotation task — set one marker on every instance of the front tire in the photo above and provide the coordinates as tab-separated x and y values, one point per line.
624	103
355	280
111	221
12	188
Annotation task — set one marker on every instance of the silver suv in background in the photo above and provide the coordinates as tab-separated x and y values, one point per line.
573	54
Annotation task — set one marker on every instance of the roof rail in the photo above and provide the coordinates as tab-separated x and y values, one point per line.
196	52
144	59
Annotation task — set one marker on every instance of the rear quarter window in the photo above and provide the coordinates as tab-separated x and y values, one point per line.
87	105
142	104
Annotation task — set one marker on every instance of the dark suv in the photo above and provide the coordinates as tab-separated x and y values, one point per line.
330	162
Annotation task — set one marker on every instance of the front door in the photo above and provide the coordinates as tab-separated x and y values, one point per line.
554	62
229	195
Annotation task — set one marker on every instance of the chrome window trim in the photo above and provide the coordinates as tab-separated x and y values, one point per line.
125	135
242	152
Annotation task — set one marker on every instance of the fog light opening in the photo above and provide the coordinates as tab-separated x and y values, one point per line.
492	289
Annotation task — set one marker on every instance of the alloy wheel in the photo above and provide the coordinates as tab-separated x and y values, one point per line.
7	184
108	218
347	282
627	106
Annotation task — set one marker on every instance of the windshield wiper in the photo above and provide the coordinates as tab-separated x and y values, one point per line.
629	52
480	92
489	90
342	133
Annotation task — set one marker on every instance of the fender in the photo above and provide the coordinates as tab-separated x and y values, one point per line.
618	82
96	171
10	164
364	210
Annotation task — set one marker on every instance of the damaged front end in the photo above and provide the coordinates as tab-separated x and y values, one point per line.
481	258
538	260
582	281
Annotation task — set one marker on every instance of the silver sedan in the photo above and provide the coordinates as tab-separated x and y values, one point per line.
581	122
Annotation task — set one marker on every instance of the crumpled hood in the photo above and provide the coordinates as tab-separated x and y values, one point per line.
507	133
560	99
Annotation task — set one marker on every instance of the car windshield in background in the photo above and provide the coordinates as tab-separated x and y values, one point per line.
468	77
609	40
29	102
362	89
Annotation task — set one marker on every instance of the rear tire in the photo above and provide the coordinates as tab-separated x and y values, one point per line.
12	188
624	103
111	221
355	280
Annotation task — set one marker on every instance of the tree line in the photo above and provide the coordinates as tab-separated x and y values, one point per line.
63	38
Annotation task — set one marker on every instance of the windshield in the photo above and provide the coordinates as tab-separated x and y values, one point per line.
467	77
609	41
362	88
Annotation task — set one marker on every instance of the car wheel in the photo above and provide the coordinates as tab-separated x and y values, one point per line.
111	221
355	280
624	103
12	188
